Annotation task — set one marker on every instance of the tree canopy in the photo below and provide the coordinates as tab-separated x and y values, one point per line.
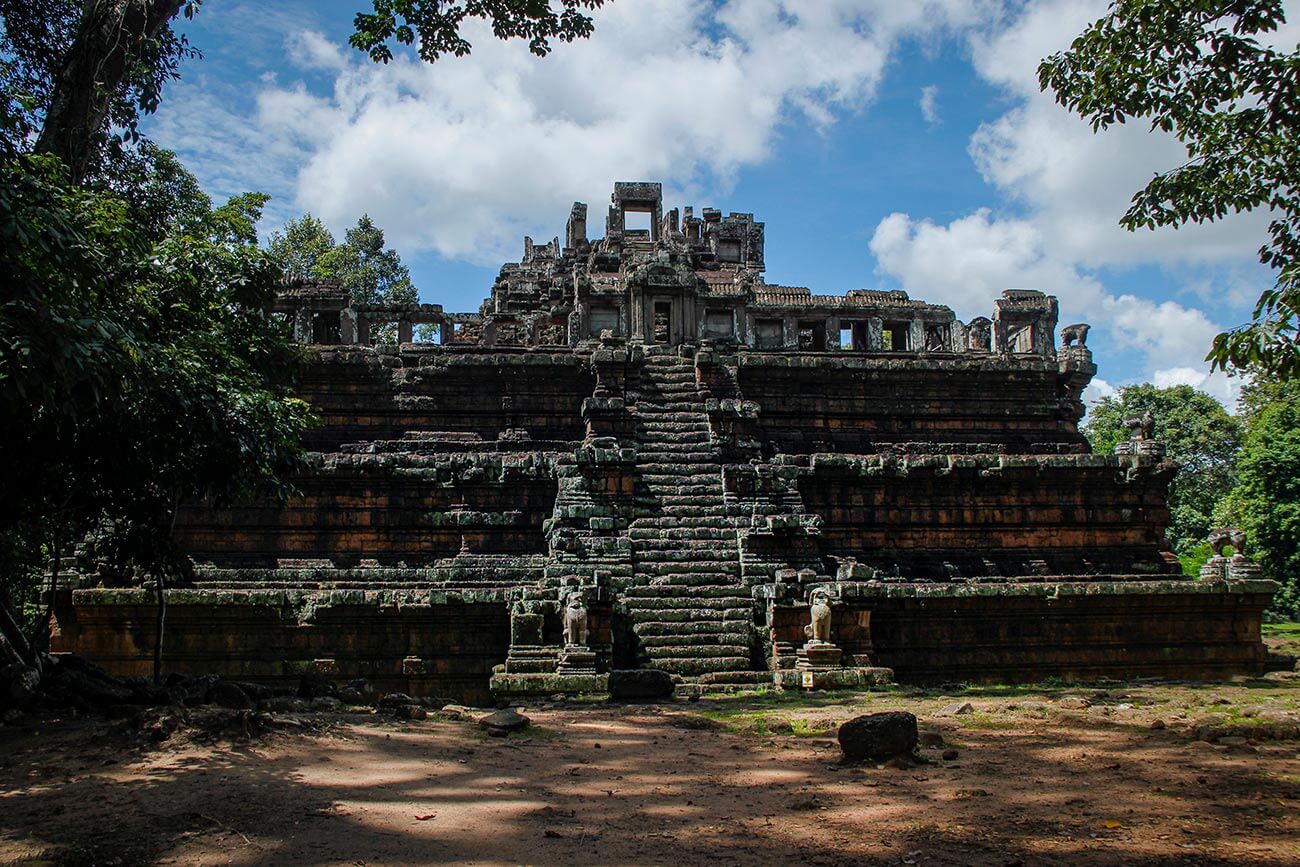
1266	500
372	272
137	365
436	24
1200	436
1199	69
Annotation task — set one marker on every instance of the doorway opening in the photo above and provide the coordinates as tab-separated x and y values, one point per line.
663	321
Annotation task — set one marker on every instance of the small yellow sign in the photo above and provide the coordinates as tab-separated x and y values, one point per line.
808	679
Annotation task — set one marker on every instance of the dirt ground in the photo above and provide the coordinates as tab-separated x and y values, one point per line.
1108	774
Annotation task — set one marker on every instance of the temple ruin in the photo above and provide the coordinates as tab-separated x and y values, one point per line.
638	454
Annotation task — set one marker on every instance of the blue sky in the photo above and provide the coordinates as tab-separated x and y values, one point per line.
883	144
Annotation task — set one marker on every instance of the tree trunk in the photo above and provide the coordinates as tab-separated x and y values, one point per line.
158	630
40	642
13	634
111	37
162	598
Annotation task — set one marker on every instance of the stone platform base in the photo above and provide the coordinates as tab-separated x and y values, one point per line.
832	678
508	686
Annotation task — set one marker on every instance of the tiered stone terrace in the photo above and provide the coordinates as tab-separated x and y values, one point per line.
642	420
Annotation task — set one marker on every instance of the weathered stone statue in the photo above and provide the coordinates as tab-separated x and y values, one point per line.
575	620
819	630
1071	333
1143	426
1222	537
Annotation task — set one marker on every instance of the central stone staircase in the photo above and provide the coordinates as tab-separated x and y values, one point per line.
687	604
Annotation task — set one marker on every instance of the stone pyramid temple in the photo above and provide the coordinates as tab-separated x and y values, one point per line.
638	454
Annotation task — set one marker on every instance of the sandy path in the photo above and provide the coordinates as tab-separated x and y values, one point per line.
630	785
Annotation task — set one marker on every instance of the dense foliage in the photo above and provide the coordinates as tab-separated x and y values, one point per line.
1238	470
372	272
1266	501
136	372
1200	69
138	367
1198	434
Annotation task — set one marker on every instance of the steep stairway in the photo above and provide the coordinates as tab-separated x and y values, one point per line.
687	604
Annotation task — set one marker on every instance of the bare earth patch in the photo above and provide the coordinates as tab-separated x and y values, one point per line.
1042	775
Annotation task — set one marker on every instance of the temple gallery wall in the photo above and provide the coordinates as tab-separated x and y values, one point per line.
637	454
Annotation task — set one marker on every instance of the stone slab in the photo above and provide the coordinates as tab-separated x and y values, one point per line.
833	678
513	685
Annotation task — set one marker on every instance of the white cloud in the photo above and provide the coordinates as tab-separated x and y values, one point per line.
930	104
968	262
1078	181
465	155
1069	187
1096	390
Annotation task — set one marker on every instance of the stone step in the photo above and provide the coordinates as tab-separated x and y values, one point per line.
695	534
674	433
713	521
717	557
681	582
693	507
695	651
690	615
648	407
699	666
668	457
724	549
733	678
667	473
702	483
672	420
659	629
680	592
654	605
688	573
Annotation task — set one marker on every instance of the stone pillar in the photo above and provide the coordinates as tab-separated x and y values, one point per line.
302	321
347	326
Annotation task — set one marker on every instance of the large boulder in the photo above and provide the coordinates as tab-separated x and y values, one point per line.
641	683
878	736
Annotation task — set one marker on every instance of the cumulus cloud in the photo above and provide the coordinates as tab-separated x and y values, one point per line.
462	157
968	262
1067	187
1078	181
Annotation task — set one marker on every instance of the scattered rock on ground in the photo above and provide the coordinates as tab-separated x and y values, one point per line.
504	721
411	712
459	712
1073	702
958	708
949	755
256	691
394	700
228	695
931	739
878	736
